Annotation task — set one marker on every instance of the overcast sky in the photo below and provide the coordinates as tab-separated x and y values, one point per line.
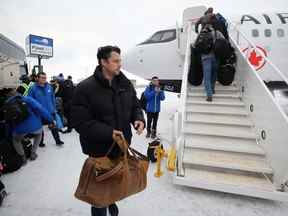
80	27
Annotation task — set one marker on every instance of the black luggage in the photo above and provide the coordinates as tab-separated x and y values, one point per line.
226	74
222	49
11	160
195	75
15	110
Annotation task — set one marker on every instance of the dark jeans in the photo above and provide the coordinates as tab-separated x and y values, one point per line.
210	65
98	211
152	117
55	134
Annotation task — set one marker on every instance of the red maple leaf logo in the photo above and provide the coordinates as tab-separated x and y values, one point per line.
254	59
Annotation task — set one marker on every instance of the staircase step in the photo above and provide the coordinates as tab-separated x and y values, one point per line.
221	128
216	97
223	144
227	182
226	160
220	132
232	110
218	89
211	111
219	119
216	103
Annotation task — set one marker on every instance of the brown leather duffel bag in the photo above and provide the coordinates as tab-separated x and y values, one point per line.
104	181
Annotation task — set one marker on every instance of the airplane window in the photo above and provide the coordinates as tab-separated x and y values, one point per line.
280	32
168	35
161	37
267	32
156	37
255	33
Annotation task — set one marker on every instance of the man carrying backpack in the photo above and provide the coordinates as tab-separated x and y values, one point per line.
24	114
154	95
44	94
217	21
68	90
205	46
206	19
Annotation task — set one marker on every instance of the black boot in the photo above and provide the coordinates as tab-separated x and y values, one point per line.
98	211
209	99
153	135
56	137
148	134
113	210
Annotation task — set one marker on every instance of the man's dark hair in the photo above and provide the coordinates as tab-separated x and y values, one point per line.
155	78
40	73
209	10
69	77
105	52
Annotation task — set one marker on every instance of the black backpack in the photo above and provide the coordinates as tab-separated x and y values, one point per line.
143	102
11	161
204	42
151	151
15	110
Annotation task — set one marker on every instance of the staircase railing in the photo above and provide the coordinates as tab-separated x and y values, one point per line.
183	98
271	123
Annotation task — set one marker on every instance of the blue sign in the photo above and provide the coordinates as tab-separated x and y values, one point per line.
39	46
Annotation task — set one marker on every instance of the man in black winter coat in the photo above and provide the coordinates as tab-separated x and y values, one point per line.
105	104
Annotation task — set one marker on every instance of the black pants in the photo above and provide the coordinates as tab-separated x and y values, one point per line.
98	211
55	134
152	117
67	113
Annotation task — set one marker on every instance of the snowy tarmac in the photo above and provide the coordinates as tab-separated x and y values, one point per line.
45	187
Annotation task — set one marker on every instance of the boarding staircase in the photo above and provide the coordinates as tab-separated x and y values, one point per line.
239	142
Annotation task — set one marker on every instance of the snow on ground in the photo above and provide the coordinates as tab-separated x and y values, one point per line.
45	187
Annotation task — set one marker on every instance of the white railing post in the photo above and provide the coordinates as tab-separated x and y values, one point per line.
183	99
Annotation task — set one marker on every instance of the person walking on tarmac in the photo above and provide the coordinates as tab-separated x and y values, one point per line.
105	105
154	95
67	95
44	94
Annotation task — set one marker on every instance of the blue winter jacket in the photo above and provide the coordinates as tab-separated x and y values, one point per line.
45	96
33	122
153	99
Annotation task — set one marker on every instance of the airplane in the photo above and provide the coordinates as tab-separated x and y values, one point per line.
163	53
